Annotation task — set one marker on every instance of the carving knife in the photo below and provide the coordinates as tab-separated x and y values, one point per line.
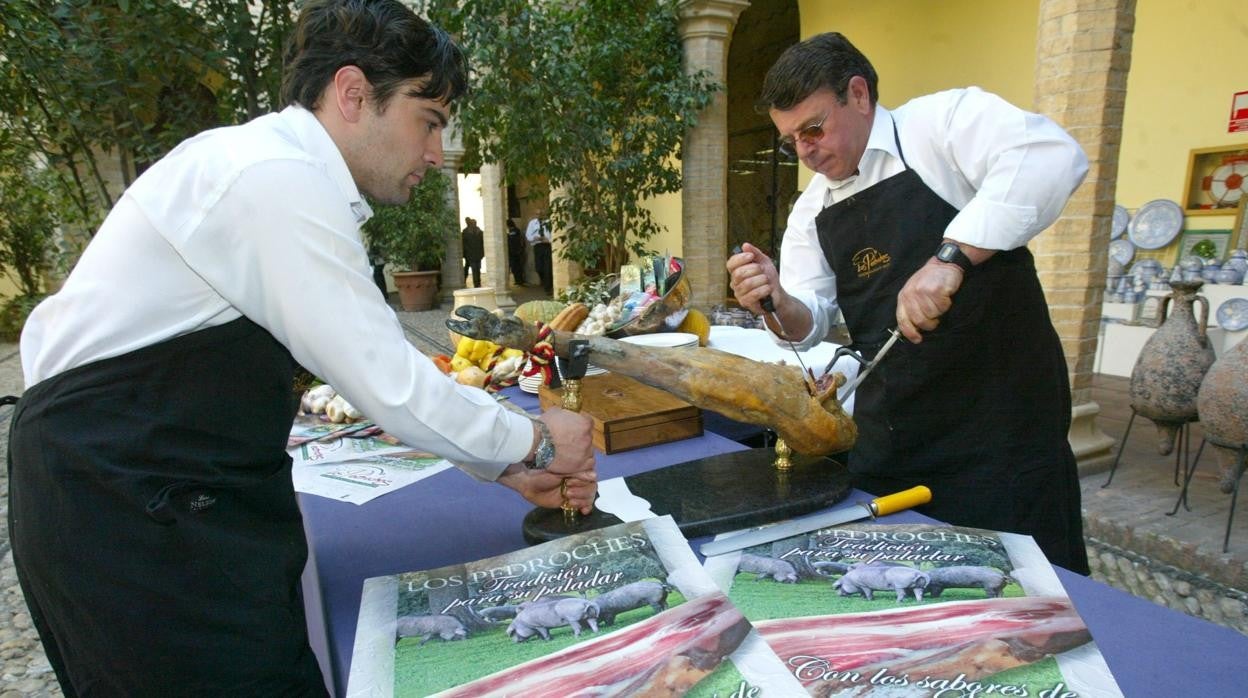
880	506
769	307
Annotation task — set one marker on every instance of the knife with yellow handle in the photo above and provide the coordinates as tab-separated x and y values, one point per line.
881	506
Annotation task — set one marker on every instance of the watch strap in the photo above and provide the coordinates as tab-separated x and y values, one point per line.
949	252
545	451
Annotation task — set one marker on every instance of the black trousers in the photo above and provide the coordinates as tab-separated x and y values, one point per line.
541	260
475	267
516	262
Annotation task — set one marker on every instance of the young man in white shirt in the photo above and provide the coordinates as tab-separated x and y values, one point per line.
538	235
152	516
918	219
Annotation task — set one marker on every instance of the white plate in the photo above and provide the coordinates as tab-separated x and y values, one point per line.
1122	251
1233	314
1119	225
663	339
1155	224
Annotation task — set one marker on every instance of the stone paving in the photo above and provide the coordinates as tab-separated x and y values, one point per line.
1136	547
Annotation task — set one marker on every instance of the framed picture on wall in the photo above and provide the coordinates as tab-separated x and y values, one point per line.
1217	179
1239	234
1210	244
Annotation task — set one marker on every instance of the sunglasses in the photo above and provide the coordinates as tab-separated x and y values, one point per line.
807	134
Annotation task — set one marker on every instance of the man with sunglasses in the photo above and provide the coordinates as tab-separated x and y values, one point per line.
154	526
918	218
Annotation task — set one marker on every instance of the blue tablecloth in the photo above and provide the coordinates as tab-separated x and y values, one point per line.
450	518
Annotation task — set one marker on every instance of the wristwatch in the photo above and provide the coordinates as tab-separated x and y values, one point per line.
545	451
951	253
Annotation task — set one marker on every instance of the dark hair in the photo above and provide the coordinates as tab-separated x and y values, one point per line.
383	38
822	61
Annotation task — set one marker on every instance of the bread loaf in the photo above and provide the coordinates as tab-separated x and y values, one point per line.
570	318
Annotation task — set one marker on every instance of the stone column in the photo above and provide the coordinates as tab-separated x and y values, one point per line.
453	263
564	272
494	211
705	29
1083	55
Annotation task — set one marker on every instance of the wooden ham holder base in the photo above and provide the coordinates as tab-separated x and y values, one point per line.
628	414
709	495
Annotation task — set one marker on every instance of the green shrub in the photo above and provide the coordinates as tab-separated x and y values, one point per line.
14	313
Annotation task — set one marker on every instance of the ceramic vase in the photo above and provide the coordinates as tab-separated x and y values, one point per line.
1223	406
1168	372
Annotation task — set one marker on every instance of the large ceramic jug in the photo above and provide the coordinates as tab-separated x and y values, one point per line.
1170	367
1223	406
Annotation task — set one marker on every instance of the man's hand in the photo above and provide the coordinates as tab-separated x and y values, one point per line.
574	460
752	277
927	295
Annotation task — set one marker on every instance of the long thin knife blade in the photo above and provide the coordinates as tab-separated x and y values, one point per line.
880	506
769	307
851	386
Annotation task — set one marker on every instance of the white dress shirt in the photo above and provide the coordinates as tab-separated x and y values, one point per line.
263	220
537	232
1008	172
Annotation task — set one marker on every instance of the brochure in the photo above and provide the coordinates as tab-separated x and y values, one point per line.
927	611
620	611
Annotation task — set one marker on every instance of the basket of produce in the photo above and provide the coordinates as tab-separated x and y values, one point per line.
651	302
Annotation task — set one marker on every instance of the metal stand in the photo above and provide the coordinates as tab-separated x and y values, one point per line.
1181	452
1239	475
1186	444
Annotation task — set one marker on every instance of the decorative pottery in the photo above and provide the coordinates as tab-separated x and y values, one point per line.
1169	369
1228	275
1223	406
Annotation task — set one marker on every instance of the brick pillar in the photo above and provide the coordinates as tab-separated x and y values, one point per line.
494	213
705	29
1082	58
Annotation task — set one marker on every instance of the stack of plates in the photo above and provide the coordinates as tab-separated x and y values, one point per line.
530	384
671	340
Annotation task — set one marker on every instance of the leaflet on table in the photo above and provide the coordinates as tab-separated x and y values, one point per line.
354	468
623	610
926	611
363	479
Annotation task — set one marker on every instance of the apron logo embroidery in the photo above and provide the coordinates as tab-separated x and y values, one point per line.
201	502
869	260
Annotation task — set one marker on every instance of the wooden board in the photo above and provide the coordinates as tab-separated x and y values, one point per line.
628	414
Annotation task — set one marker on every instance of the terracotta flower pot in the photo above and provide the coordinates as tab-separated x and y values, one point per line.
417	289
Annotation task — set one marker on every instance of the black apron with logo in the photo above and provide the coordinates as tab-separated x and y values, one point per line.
154	524
979	410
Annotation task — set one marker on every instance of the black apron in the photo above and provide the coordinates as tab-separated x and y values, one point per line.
979	410
154	524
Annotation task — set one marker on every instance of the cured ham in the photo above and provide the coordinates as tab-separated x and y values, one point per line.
811	422
835	655
663	655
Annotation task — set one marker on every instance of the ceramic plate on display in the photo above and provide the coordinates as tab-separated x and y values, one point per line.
1155	224
1122	251
1119	226
1228	183
1233	314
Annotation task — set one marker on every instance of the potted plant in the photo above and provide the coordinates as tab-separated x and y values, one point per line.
412	238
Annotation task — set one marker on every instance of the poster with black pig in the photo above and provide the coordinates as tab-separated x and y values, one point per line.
620	611
921	611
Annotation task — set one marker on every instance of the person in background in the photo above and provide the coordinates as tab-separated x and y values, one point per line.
918	218
515	252
473	240
153	524
538	235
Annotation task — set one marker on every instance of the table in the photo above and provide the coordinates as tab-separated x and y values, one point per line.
451	518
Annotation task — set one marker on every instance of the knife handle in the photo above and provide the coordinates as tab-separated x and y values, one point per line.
899	501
